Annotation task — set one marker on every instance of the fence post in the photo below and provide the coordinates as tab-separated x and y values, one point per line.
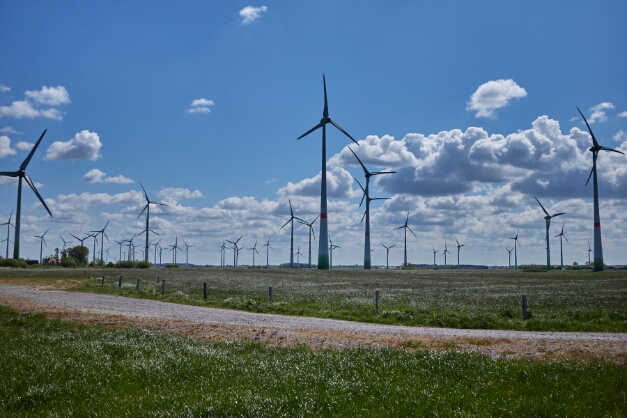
376	301
157	279
163	287
102	281
204	290
137	285
524	307
270	293
120	282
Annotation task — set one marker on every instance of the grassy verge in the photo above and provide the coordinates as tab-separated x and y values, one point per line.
558	300
52	368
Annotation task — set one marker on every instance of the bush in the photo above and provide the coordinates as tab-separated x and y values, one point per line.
144	265
10	262
110	264
68	262
171	265
125	264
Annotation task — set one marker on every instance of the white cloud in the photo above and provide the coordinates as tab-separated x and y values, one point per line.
272	180
494	95
620	136
339	185
24	146
5	147
200	106
177	193
598	112
52	96
97	176
94	176
84	146
9	130
250	13
4	89
623	114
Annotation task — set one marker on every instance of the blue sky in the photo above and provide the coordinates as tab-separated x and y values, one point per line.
473	103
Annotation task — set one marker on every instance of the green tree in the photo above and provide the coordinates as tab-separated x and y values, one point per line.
79	254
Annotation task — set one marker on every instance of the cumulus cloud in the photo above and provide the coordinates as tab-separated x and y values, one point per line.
5	147
339	185
49	96
598	112
623	114
620	136
4	89
177	193
24	146
249	13
84	146
200	106
97	176
494	95
9	130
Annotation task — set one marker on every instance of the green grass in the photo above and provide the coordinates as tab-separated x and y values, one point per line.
558	300
52	368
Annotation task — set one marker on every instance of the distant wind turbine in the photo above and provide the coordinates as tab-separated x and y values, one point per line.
187	247
323	254
459	247
103	235
589	251
406	228
269	247
9	225
64	243
311	231
434	253
147	209
174	248
81	240
516	242
366	196
445	251
292	217
156	244
510	257
548	218
598	246
41	245
235	250
331	248
298	257
561	235
21	174
254	250
387	255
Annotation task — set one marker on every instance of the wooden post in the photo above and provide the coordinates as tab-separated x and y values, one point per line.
524	307
204	290
157	279
102	281
163	287
376	301
120	282
270	293
137	285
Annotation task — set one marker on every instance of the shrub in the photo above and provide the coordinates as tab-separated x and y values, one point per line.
144	265
68	262
171	265
125	264
10	262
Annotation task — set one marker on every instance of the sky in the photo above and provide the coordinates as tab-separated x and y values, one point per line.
473	104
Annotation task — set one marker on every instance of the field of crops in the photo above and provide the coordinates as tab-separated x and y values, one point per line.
52	368
488	299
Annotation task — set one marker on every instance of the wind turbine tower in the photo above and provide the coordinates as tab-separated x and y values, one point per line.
147	209
598	246
459	247
331	248
323	254
561	235
516	242
445	251
406	227
589	251
510	257
41	245
187	247
21	174
254	250
434	253
9	225
311	231
292	217
103	235
269	247
548	218
387	255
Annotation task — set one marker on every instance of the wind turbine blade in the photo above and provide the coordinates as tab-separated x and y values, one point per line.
547	213
379	198
383	172
145	194
325	112
291	211
558	214
362	164
594	140
9	173
590	175
392	246
362	187
313	232
312	222
411	231
364	215
239	239
285	224
310	131
400	227
612	149
343	131
140	213
565	238
30	155
32	186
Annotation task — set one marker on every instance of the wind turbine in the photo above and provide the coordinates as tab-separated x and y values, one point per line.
64	243
160	250
366	195
331	248
459	247
93	258
235	250
9	225
269	247
406	228
510	257
254	249
21	174
222	253
187	247
173	248
548	225
147	209
119	242
515	250
107	251
598	246
434	253
445	251
310	225
103	235
81	240
323	254
561	235
297	259
156	244
292	217
41	245
589	251
387	256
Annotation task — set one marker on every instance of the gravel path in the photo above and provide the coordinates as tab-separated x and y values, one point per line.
143	308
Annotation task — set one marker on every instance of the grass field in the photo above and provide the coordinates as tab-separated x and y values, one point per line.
558	300
53	368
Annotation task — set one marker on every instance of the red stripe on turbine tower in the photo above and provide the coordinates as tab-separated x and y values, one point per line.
597	224
323	216
367	234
